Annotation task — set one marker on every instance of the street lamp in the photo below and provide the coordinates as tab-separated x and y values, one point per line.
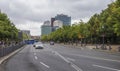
103	35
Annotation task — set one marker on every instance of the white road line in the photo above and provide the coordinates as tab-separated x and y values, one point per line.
36	57
66	60
106	67
44	65
71	59
62	57
76	67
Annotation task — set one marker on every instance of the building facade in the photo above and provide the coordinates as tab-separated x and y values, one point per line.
21	34
56	22
46	29
26	32
52	21
47	23
64	18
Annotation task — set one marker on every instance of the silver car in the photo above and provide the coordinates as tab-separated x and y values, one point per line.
39	46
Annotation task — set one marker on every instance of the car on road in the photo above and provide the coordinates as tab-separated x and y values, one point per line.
51	43
39	46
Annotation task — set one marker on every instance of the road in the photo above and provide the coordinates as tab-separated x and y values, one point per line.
60	58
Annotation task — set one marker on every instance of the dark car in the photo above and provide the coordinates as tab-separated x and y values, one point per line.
51	43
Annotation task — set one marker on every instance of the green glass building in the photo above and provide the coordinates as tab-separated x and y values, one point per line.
46	29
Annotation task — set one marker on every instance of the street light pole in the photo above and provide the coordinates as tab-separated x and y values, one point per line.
103	41
103	37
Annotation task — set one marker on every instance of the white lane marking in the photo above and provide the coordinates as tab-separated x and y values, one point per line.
36	57
66	60
106	67
97	58
62	57
44	65
71	59
34	53
76	67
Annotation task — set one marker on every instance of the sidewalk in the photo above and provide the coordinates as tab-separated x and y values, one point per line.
114	48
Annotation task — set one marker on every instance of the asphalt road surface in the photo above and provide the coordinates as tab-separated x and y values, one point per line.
60	58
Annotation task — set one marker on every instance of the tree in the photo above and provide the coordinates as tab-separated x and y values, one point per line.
7	28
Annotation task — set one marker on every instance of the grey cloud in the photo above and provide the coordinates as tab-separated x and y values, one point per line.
75	8
22	11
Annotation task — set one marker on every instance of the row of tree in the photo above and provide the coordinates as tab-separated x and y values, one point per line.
8	31
104	26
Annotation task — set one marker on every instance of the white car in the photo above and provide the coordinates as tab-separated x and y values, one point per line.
38	46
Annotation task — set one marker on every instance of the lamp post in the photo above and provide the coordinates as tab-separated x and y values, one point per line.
103	35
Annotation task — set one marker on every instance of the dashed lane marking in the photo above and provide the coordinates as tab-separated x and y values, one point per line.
44	65
36	57
71	59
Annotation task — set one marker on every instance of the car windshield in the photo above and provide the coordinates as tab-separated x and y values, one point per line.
59	35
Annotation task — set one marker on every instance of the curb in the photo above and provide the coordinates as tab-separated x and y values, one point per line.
9	55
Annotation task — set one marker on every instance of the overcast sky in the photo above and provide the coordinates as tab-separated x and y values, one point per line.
30	14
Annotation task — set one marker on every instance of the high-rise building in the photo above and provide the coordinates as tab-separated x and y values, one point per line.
64	18
46	28
52	21
58	23
47	23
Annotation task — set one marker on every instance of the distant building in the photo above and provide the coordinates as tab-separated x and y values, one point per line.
58	23
55	28
26	32
22	32
47	23
46	28
52	21
20	35
64	18
35	37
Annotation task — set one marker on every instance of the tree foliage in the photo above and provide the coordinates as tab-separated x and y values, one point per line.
7	28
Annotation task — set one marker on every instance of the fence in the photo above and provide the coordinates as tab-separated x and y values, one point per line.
6	50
